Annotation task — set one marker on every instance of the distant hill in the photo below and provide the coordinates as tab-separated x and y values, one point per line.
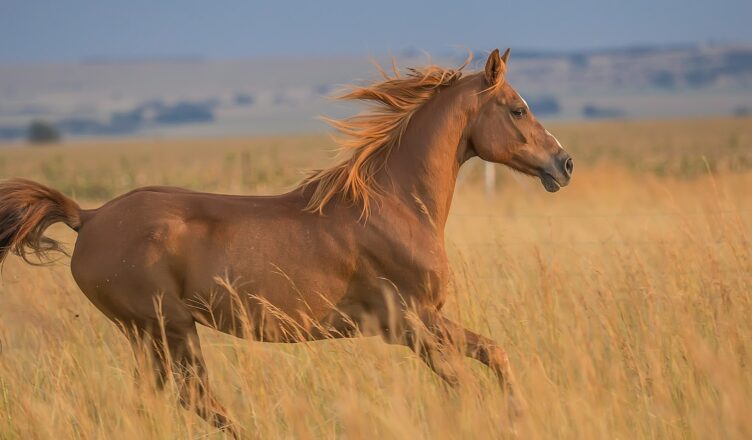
192	96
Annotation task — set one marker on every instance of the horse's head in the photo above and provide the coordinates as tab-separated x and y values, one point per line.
505	131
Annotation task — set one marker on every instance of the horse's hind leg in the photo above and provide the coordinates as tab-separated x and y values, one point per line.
176	350
189	369
133	283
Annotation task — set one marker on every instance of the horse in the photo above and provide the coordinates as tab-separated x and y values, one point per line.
356	249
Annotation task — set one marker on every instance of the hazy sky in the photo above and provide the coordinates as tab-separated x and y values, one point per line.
40	30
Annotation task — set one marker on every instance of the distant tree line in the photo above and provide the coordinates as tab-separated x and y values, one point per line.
119	123
42	132
592	111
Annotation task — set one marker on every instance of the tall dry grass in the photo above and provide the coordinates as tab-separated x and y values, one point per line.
624	301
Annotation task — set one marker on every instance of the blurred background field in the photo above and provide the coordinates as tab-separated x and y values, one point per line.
624	300
102	168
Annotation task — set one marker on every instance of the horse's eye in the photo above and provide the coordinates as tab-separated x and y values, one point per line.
519	113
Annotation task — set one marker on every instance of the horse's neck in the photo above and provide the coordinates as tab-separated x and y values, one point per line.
422	171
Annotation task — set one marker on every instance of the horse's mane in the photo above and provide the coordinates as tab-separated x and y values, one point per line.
372	135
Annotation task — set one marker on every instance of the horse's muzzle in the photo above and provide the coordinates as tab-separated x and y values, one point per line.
559	173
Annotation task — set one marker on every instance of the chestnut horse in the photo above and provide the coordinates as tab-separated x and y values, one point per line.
356	249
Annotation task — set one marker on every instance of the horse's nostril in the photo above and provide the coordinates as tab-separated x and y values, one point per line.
568	166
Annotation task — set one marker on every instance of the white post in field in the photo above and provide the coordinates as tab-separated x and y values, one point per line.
490	174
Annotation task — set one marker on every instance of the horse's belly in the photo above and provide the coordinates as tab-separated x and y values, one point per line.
261	299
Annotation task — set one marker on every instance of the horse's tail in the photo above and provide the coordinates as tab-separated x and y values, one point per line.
27	209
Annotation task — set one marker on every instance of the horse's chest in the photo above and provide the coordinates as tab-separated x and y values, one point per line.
417	269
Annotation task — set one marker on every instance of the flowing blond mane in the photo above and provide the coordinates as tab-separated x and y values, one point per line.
371	136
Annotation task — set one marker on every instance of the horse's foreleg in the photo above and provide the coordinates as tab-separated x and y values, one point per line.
445	337
432	350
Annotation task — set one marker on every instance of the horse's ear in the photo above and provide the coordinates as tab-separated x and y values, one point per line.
494	68
505	57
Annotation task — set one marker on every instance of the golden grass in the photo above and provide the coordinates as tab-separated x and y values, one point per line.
624	301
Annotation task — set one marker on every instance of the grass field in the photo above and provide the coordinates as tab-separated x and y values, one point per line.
624	301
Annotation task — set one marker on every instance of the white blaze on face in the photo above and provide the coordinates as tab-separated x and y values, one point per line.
524	102
555	140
